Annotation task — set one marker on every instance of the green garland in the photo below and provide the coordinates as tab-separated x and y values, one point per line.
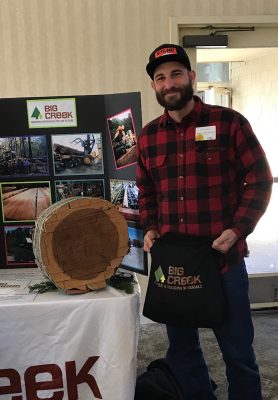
120	280
42	287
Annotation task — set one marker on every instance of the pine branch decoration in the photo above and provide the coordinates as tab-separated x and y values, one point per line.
123	281
42	287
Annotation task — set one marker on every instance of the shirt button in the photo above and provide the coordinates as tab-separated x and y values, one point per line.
181	155
181	133
181	220
181	198
180	177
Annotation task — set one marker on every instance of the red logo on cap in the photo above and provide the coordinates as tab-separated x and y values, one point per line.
164	52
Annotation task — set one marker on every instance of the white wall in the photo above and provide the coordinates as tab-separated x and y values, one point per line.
76	47
255	93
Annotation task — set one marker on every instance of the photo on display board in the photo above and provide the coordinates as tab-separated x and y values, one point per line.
24	201
83	188
18	245
124	194
23	156
136	259
123	138
77	154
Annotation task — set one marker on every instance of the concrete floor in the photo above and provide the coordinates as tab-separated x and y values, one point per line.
153	345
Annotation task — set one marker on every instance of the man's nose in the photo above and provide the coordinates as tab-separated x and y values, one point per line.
169	83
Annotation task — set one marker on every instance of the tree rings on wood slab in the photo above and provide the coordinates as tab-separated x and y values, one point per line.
79	243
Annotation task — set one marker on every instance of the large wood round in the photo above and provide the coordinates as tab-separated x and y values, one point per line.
79	242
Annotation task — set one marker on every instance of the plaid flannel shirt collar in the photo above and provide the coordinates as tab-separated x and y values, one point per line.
194	115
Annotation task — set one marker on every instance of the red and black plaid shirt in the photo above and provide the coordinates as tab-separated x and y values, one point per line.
202	187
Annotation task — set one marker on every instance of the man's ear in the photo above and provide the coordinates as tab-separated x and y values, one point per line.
152	84
192	76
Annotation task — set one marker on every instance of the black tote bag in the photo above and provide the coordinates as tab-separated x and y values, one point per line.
184	287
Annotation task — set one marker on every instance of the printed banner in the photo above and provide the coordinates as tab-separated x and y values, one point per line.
70	348
51	113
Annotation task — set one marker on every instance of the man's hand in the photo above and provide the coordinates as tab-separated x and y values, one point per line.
225	241
149	239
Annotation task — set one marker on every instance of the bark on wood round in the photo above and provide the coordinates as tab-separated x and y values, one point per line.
79	242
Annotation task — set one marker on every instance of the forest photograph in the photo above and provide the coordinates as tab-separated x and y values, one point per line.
18	241
23	156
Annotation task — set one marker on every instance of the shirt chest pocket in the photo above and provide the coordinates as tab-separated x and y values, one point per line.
157	167
209	156
212	166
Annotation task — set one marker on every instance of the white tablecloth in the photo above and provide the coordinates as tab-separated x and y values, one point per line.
81	346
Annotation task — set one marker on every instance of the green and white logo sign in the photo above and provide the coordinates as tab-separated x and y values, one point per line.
36	113
51	113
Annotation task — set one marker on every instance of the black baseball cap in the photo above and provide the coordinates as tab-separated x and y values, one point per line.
164	53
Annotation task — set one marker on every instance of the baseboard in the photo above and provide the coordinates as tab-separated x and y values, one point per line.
263	306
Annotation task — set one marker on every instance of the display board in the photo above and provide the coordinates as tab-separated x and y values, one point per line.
56	148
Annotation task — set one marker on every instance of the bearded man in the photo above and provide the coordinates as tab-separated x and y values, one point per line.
202	172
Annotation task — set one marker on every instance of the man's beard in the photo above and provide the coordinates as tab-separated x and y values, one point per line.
175	104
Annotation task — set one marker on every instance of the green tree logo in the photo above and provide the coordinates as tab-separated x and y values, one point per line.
36	113
159	276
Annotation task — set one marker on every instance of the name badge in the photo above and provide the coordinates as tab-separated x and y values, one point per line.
205	133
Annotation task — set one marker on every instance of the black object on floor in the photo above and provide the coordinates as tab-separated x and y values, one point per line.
157	383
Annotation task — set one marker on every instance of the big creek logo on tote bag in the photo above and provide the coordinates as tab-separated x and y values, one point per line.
184	286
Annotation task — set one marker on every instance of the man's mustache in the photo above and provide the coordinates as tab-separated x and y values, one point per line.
170	91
